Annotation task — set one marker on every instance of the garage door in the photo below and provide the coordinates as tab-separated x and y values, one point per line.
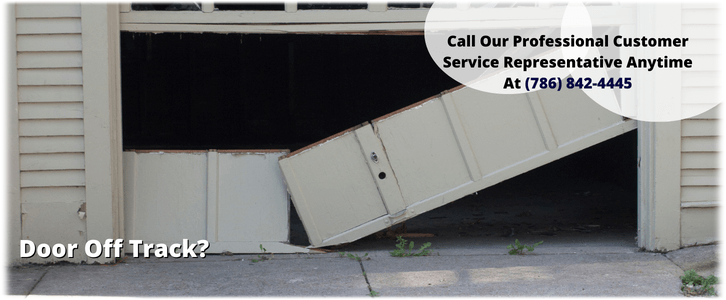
433	152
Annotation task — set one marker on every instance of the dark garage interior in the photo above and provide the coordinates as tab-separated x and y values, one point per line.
192	91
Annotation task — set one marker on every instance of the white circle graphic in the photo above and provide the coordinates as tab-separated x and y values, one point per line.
497	48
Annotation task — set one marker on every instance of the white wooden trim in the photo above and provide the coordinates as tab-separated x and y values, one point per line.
349	28
406	21
130	165
124	7
275	28
13	207
117	139
212	195
377	6
659	145
659	184
527	17
99	91
290	6
207	7
352	28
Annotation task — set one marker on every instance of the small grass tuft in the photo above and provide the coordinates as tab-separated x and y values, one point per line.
518	249
694	284
404	248
262	257
354	256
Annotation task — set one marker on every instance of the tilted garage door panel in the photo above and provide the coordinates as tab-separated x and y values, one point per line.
423	151
502	129
438	150
572	114
332	187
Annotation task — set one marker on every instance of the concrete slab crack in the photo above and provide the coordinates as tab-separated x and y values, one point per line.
362	269
30	291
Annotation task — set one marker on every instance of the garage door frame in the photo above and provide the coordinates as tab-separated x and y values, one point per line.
658	173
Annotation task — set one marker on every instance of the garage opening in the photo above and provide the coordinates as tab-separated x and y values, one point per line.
191	91
256	91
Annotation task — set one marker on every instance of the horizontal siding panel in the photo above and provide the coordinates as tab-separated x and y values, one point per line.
699	181
60	161
63	110
44	60
53	194
702	160
698	226
699	177
700	111
48	26
701	47
699	32
699	193
50	127
50	94
51	144
27	10
703	172
699	127
57	42
70	76
699	144
699	79
702	62
52	178
699	16
700	95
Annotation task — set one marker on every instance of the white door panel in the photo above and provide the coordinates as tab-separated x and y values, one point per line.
434	152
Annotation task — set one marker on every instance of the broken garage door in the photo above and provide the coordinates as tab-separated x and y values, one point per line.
433	152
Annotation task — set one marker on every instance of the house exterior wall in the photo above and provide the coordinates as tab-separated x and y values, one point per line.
699	135
56	87
50	124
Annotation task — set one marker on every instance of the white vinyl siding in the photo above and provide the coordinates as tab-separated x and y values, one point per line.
699	135
50	126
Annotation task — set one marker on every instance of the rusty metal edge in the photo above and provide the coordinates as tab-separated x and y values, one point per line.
320	142
386	116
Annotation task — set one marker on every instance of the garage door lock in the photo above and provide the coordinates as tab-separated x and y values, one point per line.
374	157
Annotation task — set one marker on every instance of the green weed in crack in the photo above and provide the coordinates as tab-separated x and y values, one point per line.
518	249
262	257
354	256
694	284
404	248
